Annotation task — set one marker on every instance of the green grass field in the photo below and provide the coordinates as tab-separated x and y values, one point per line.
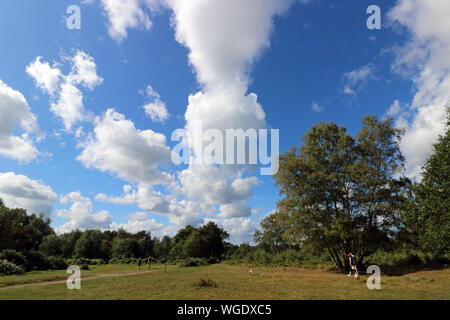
233	282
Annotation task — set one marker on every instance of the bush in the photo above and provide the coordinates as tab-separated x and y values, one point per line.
57	263
194	262
36	260
13	256
400	259
124	261
8	268
205	283
81	261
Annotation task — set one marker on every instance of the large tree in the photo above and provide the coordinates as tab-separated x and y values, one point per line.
343	194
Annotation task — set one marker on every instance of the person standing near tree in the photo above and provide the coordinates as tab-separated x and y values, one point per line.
149	261
139	263
352	263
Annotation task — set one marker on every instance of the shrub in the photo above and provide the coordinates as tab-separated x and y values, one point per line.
36	260
194	262
259	256
205	283
400	259
124	261
13	256
8	268
81	261
57	263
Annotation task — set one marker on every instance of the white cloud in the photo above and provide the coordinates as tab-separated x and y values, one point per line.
19	191
315	107
225	36
81	214
123	15
118	147
425	59
156	109
224	188
224	39
140	222
84	71
46	77
234	210
68	103
179	212
14	113
240	229
394	109
69	107
354	80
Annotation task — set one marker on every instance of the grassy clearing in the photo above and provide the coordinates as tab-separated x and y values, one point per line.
232	282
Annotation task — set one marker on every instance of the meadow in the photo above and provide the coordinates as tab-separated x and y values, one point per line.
123	282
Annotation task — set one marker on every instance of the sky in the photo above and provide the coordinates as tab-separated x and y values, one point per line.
87	115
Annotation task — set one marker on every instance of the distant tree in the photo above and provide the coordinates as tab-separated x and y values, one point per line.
344	194
145	242
178	241
162	247
69	241
125	248
52	245
89	245
273	233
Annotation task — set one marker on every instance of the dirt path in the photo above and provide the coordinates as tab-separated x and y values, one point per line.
99	276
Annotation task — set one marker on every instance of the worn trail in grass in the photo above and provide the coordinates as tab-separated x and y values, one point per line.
233	282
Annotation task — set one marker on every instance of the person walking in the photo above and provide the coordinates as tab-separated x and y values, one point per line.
149	261
352	264
139	263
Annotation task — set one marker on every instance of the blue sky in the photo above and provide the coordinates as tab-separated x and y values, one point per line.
200	61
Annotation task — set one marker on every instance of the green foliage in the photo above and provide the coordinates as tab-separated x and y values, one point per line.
20	231
81	261
89	245
341	194
205	283
125	248
57	263
123	261
13	256
401	258
36	260
429	215
7	268
207	241
52	245
162	248
194	262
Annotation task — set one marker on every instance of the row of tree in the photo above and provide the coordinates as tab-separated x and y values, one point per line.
30	242
349	194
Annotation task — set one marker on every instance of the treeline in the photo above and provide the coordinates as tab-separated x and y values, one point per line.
28	242
342	193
